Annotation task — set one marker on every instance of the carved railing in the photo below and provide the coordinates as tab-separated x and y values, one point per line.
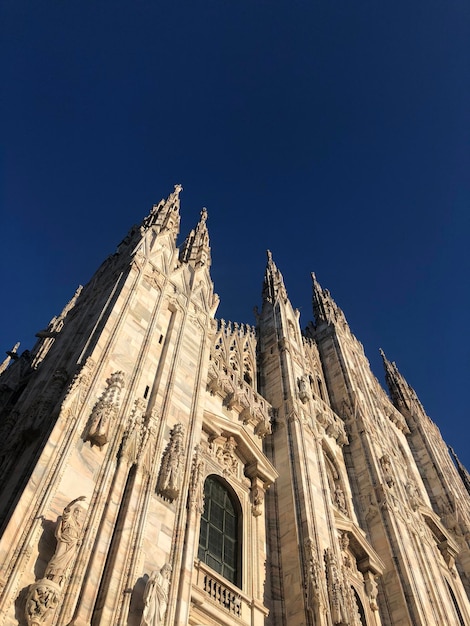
221	591
223	595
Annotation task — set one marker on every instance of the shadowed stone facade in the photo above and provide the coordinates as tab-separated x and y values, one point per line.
161	467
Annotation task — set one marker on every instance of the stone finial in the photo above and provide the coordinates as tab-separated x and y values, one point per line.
196	249
325	308
273	284
11	354
165	216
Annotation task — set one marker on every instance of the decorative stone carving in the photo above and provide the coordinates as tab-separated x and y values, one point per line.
372	591
81	380
226	456
68	533
42	408
333	425
313	575
41	602
156	597
196	485
169	479
336	590
105	411
344	545
257	497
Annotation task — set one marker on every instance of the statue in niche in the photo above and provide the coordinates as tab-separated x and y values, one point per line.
169	479
156	597
386	464
196	486
412	493
340	500
303	389
68	533
45	594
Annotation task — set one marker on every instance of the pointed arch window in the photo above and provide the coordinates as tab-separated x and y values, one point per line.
219	541
360	608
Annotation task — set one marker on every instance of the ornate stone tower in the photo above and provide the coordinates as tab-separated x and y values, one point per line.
160	467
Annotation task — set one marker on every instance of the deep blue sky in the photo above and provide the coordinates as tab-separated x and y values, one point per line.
334	133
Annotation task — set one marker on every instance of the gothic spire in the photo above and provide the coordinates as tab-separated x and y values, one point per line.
196	249
11	354
402	394
325	308
464	475
166	214
273	284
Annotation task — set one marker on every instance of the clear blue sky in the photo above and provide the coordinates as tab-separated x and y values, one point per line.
334	133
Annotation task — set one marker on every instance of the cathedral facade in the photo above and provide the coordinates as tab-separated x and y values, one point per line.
162	467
